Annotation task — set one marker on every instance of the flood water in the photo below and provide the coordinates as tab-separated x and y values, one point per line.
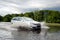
27	35
19	35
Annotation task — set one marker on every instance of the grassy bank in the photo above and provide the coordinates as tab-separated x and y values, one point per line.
54	27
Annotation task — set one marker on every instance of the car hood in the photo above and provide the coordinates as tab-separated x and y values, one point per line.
35	22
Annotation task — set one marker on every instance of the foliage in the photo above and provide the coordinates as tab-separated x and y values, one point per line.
54	27
1	18
49	16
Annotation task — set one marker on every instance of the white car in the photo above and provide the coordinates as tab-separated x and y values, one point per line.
25	22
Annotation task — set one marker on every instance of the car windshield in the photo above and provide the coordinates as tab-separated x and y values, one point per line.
23	18
17	18
28	19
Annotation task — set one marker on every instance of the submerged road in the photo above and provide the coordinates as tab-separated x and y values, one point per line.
7	33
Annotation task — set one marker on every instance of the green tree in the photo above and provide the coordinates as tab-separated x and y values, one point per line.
1	18
7	18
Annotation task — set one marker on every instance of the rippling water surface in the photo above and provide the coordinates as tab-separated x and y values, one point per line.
18	35
26	35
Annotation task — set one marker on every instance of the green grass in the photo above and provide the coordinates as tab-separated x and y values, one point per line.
54	27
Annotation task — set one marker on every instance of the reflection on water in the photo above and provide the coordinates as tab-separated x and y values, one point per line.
27	35
19	35
5	35
13	34
10	34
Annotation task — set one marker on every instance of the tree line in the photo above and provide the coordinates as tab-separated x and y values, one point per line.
50	16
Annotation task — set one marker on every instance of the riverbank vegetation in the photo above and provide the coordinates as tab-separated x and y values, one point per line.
54	27
51	17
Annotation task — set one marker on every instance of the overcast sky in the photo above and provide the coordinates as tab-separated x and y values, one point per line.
18	6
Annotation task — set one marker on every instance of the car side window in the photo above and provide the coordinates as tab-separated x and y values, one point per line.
14	19
19	19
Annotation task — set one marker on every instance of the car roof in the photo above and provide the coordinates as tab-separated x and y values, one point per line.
20	17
